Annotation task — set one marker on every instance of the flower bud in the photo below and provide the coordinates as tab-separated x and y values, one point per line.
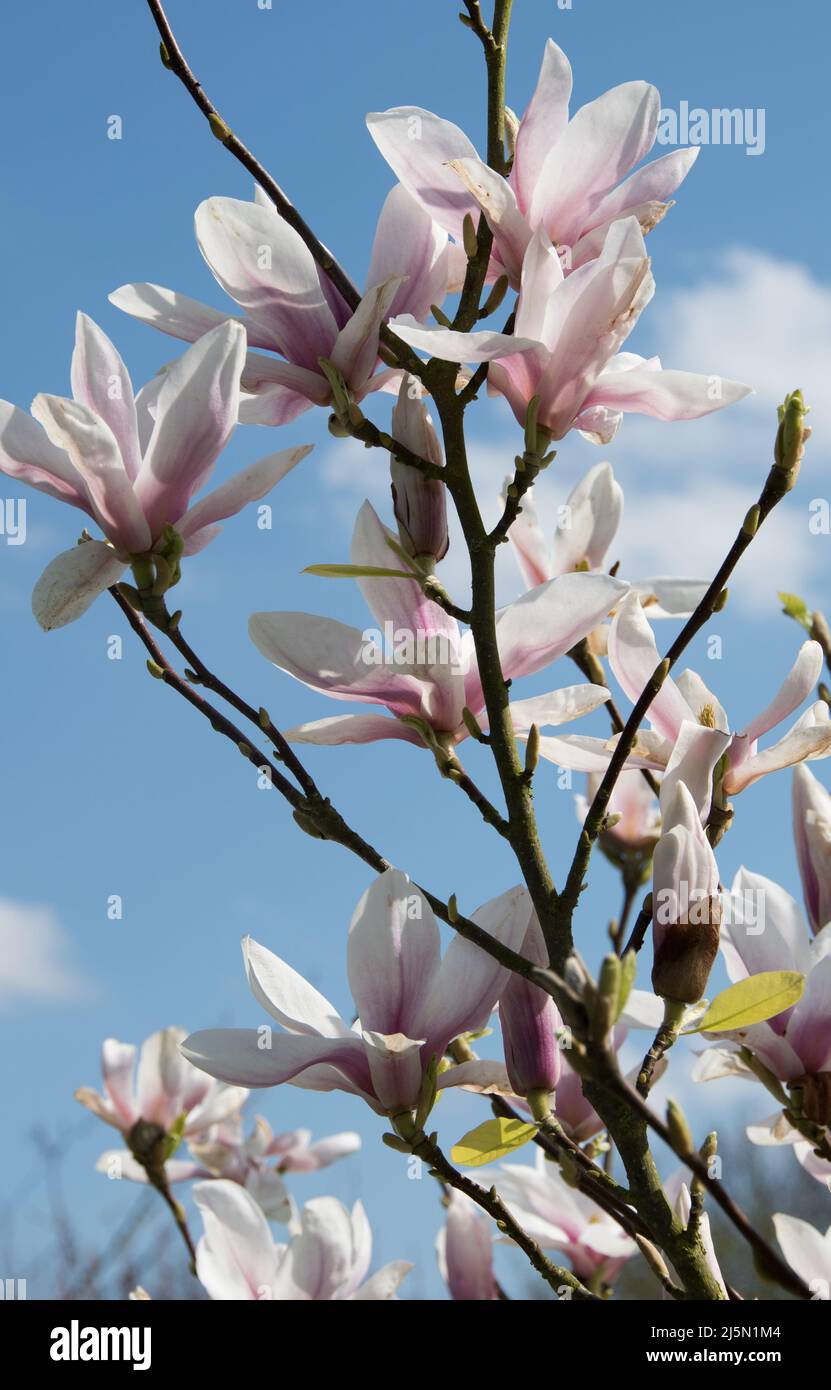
686	911
812	835
530	1021
420	504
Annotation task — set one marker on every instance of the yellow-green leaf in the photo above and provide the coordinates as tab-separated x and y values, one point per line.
355	572
753	1000
490	1141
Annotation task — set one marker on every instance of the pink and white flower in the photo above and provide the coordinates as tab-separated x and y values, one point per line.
327	1260
411	1003
558	1217
165	1091
430	673
290	307
688	721
568	176
565	348
133	463
589	521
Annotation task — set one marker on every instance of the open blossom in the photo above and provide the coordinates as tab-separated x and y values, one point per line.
589	521
464	1249
427	681
565	349
290	307
260	1160
558	1217
764	930
807	1251
686	909
411	1003
165	1089
133	463
685	710
568	177
327	1260
812	836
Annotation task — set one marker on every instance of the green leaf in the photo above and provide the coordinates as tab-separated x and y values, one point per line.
795	607
355	572
491	1141
753	1000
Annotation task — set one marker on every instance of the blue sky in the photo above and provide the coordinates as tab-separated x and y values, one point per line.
110	785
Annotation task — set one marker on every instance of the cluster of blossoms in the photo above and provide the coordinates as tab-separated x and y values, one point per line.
568	226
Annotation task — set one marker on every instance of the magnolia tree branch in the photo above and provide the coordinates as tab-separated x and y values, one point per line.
174	59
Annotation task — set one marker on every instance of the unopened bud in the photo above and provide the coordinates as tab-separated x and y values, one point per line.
685	952
679	1130
469	237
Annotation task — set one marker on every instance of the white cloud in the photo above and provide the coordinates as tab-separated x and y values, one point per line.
34	957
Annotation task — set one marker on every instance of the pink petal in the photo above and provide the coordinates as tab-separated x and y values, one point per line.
809	738
93	449
392	954
332	658
655	183
285	297
602	142
496	199
353	728
634	657
529	545
179	316
409	246
101	382
465	1251
238	1056
195	418
469	980
418	147
27	453
236	1258
117	1061
593	515
355	351
666	395
247	486
72	581
546	622
284	994
807	1252
796	687
482	346
543	123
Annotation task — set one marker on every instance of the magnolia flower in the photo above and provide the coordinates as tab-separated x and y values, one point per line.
420	503
558	1217
565	349
589	522
566	175
167	1092
411	1003
291	308
237	1257
764	930
418	665
807	1251
685	712
133	463
812	835
464	1249
686	910
259	1161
